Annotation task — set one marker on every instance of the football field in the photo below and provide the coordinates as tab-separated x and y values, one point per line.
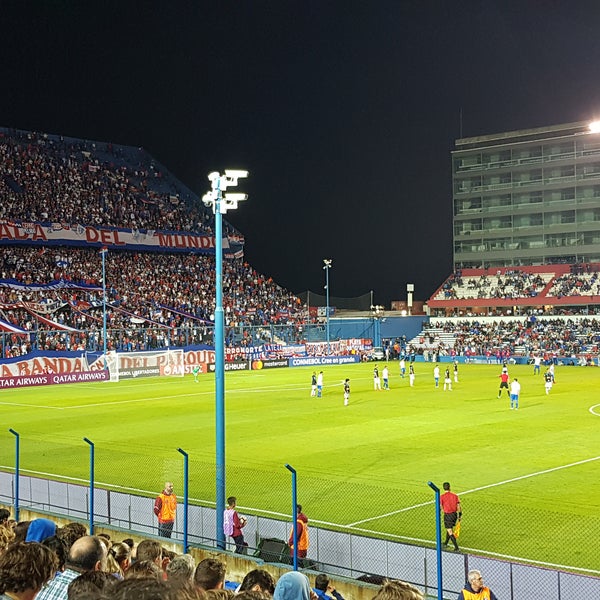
529	479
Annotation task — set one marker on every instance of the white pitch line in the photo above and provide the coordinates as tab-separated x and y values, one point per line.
478	489
31	405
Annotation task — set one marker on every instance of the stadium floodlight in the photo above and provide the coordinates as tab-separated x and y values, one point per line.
327	265
594	127
220	204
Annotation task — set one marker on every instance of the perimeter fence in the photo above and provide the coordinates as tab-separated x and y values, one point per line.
357	529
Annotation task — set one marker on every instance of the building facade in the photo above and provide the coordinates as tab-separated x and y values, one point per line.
527	197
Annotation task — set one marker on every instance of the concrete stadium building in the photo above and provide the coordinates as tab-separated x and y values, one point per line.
527	197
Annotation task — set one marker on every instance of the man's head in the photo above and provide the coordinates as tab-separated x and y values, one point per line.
71	532
476	580
210	574
182	567
4	515
446	486
258	580
91	584
231	501
149	550
26	566
321	582
87	554
398	590
168	488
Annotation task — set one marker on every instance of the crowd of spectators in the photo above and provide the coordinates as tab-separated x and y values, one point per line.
499	339
512	283
151	297
48	178
579	282
40	560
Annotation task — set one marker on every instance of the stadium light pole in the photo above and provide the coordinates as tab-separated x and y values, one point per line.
327	265
103	252
220	204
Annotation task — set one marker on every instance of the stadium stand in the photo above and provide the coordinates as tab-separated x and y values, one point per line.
54	289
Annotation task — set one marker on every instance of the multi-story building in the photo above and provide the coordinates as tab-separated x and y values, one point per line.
527	197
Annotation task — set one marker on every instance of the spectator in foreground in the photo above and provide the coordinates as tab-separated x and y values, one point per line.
210	574
25	568
181	568
324	589
293	585
258	580
40	529
86	554
474	588
398	590
93	584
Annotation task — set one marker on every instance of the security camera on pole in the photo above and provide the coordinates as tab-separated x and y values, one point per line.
220	204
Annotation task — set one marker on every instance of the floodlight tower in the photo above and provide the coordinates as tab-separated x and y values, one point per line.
327	265
220	204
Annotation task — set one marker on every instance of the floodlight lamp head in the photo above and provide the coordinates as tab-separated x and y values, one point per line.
594	127
327	263
236	173
230	201
209	200
214	176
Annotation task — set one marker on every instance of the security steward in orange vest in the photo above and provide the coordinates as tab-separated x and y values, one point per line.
165	507
475	590
302	533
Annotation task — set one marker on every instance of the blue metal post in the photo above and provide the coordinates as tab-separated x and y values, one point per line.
438	537
91	504
103	252
185	498
17	469
294	514
219	368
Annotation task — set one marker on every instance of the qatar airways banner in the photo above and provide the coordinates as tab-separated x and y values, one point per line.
53	379
62	234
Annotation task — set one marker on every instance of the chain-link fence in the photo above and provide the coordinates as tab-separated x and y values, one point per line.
357	528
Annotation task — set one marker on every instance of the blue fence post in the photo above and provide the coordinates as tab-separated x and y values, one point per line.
438	538
185	498
91	503
17	467
294	514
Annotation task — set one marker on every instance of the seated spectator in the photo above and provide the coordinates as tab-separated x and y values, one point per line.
58	546
258	580
120	555
86	554
181	568
398	590
93	584
4	516
71	532
40	529
293	585
323	587
220	594
210	574
144	569
7	536
20	530
25	567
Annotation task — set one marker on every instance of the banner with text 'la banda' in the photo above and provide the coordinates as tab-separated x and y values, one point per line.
63	234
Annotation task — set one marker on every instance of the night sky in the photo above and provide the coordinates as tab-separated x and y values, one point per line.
344	112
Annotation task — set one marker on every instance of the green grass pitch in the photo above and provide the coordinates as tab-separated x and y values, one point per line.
529	480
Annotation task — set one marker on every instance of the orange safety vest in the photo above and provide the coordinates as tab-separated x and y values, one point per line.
303	540
166	514
482	594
